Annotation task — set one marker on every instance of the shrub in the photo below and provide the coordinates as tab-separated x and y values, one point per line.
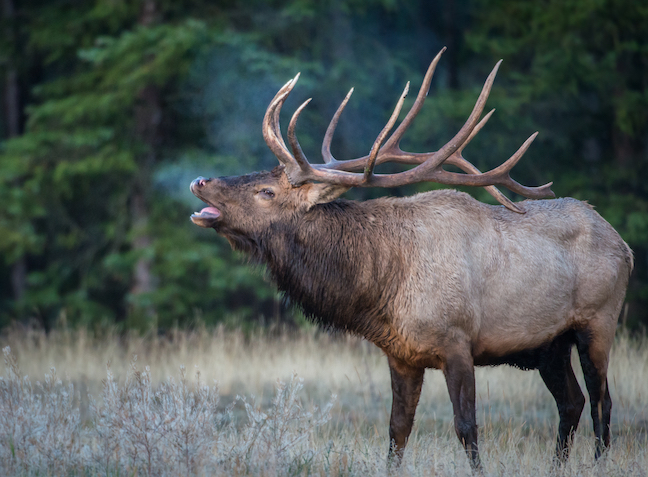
40	429
176	429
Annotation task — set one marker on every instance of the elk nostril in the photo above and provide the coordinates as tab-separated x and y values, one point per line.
200	181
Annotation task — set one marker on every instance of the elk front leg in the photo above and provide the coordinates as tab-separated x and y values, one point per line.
459	372
406	390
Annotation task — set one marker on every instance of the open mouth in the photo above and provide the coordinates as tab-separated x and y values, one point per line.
207	217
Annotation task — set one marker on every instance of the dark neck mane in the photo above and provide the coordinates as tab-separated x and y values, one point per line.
327	264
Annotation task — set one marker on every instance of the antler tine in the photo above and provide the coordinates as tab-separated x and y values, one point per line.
279	104
368	172
474	132
394	141
438	157
505	169
469	168
515	158
458	160
299	155
330	130
271	129
499	175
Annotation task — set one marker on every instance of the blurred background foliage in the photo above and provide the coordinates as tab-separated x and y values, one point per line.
111	108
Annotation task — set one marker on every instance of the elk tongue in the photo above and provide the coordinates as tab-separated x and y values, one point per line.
206	217
208	212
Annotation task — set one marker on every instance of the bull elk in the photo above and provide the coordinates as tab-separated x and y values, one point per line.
438	279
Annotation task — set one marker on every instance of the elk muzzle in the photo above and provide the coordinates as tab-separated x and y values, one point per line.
208	216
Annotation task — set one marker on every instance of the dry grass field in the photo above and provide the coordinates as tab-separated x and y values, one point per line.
285	404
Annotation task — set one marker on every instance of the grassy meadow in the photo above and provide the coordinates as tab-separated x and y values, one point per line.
282	403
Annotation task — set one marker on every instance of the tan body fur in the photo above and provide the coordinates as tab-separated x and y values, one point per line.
501	281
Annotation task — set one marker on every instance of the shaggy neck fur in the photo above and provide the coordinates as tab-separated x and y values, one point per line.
326	262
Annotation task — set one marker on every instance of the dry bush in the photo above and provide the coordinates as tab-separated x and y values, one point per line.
137	428
39	428
174	429
280	437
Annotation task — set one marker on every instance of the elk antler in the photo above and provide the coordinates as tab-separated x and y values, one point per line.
428	165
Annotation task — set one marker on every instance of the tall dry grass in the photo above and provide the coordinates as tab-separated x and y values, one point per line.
156	418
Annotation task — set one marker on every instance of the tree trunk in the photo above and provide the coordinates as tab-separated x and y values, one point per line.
624	148
12	121
19	278
148	117
12	101
452	37
142	275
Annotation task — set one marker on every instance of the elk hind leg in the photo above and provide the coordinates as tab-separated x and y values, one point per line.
557	373
459	372
406	382
594	351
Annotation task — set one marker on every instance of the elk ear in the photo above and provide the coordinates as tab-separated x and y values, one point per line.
319	193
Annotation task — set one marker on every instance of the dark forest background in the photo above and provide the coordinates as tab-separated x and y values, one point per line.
111	107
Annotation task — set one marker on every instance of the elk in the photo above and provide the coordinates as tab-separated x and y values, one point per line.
438	279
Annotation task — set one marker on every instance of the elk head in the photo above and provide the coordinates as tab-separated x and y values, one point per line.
242	207
246	205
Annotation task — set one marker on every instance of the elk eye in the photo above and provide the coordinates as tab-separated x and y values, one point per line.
267	193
